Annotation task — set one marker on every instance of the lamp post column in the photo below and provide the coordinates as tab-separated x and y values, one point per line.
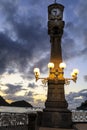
56	113
56	54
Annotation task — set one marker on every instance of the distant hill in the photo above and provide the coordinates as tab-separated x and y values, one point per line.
3	102
21	103
83	106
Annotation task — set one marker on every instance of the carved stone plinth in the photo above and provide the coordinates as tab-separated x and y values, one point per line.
56	96
57	119
56	114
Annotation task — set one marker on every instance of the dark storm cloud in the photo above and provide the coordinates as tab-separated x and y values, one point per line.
33	2
30	94
76	30
83	93
32	85
68	46
76	98
10	52
31	37
12	89
81	10
69	43
31	40
9	9
18	98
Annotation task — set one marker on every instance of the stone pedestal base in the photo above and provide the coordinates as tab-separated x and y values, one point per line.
57	119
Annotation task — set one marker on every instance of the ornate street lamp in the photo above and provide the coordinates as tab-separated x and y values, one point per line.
55	74
56	113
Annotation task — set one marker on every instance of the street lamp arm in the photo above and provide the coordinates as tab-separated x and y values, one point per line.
56	74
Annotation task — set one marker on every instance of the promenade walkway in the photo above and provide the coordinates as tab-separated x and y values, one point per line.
78	126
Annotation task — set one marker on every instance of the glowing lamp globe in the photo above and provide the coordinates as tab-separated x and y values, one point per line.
62	65
51	65
37	70
76	71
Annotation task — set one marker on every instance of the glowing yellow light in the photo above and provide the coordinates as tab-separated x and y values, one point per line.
51	65
36	70
9	101
73	74
76	71
62	65
39	97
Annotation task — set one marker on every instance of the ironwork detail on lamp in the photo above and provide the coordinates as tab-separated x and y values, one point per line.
56	74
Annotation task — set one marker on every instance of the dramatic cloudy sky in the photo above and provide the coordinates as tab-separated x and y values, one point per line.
25	44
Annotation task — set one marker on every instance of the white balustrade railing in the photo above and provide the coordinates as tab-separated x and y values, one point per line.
7	119
13	119
79	116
